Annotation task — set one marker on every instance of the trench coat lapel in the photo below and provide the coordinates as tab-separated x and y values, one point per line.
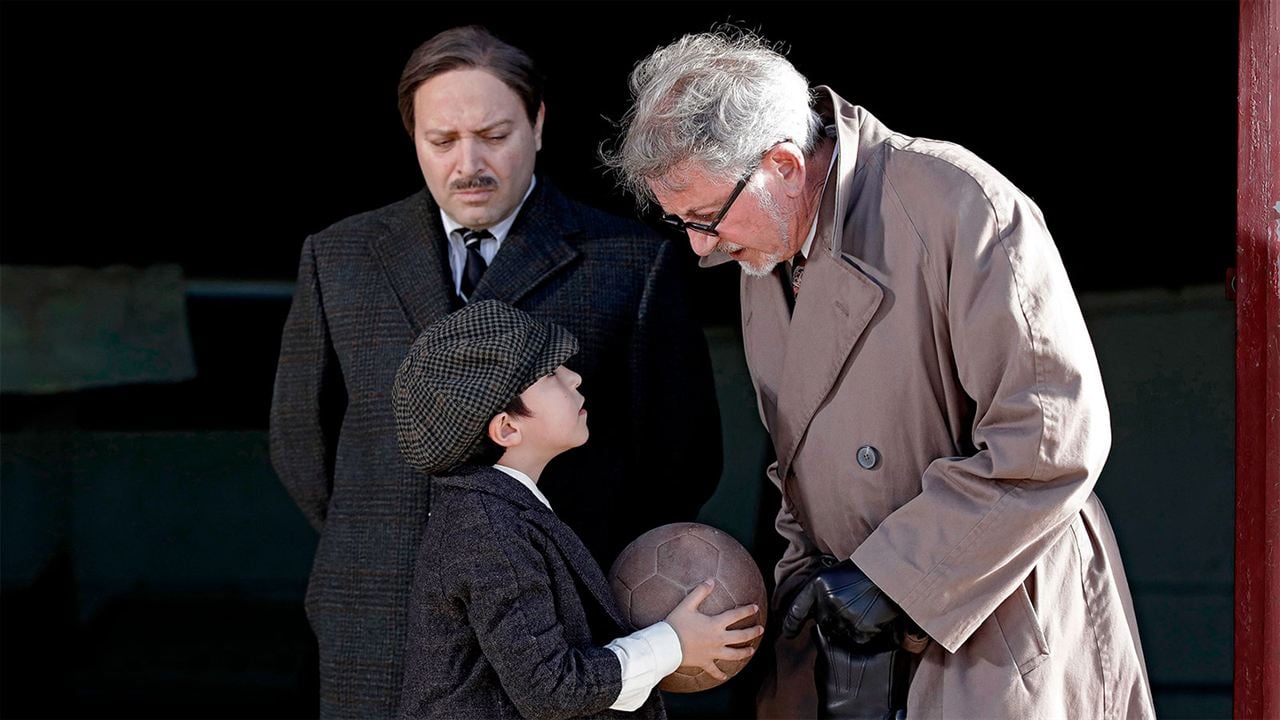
536	248
836	304
413	261
834	308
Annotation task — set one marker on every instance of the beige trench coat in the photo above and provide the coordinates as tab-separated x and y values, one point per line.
937	340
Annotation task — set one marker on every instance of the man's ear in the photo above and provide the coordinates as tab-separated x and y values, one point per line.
503	431
787	162
537	126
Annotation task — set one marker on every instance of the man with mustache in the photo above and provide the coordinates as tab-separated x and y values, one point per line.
485	227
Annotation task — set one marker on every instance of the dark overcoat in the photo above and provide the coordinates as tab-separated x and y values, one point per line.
509	614
366	287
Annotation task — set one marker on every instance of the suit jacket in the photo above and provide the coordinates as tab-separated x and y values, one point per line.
938	416
509	613
366	287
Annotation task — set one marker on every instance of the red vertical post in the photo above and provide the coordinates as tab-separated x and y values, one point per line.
1257	586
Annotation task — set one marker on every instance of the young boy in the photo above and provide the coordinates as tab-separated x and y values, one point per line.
510	616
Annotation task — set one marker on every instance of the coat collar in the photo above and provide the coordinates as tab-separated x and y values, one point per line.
536	248
858	133
491	481
838	299
413	259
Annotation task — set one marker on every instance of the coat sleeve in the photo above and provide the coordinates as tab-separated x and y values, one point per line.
512	609
1040	431
309	398
677	419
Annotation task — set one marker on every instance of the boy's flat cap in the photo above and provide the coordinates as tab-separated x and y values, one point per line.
461	371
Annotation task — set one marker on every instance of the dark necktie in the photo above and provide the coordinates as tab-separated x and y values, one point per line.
476	265
797	272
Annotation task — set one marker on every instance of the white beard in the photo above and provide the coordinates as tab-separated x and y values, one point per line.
763	270
771	260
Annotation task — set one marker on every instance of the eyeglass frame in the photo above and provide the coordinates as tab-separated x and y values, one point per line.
674	221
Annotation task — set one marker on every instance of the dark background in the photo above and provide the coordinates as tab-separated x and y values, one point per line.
218	135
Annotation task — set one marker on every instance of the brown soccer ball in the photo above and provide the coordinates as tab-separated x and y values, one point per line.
659	568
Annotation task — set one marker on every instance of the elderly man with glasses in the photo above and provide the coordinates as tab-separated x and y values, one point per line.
930	389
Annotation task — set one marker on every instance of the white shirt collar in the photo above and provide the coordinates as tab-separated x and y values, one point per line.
526	481
502	227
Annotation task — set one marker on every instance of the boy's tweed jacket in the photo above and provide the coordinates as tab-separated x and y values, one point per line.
510	613
366	287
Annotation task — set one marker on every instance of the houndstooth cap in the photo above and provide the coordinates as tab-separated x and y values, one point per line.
461	371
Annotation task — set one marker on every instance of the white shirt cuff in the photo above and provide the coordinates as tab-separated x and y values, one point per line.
647	656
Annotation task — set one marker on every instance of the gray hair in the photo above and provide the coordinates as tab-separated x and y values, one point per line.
720	99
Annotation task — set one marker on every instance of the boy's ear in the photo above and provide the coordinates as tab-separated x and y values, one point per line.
504	432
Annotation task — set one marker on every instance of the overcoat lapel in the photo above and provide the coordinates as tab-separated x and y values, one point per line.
580	561
835	305
410	254
535	249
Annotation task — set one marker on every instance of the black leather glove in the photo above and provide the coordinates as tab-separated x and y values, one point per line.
861	682
844	603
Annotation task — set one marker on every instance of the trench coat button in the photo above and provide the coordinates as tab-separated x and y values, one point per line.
868	457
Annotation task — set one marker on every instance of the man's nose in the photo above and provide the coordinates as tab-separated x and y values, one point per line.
471	159
575	380
702	244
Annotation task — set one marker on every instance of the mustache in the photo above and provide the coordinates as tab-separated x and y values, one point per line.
479	182
728	247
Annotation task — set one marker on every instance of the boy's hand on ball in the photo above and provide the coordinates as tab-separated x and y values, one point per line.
665	568
707	638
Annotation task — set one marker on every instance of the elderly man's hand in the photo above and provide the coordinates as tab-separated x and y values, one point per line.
843	601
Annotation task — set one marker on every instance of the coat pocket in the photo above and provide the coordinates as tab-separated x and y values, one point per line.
1021	630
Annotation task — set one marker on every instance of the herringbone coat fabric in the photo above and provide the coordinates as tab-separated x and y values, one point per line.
367	287
510	613
938	416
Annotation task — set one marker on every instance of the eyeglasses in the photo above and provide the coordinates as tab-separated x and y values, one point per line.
674	220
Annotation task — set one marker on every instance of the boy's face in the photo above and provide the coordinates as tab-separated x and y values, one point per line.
558	421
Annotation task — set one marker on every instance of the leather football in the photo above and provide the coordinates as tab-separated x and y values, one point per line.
659	568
